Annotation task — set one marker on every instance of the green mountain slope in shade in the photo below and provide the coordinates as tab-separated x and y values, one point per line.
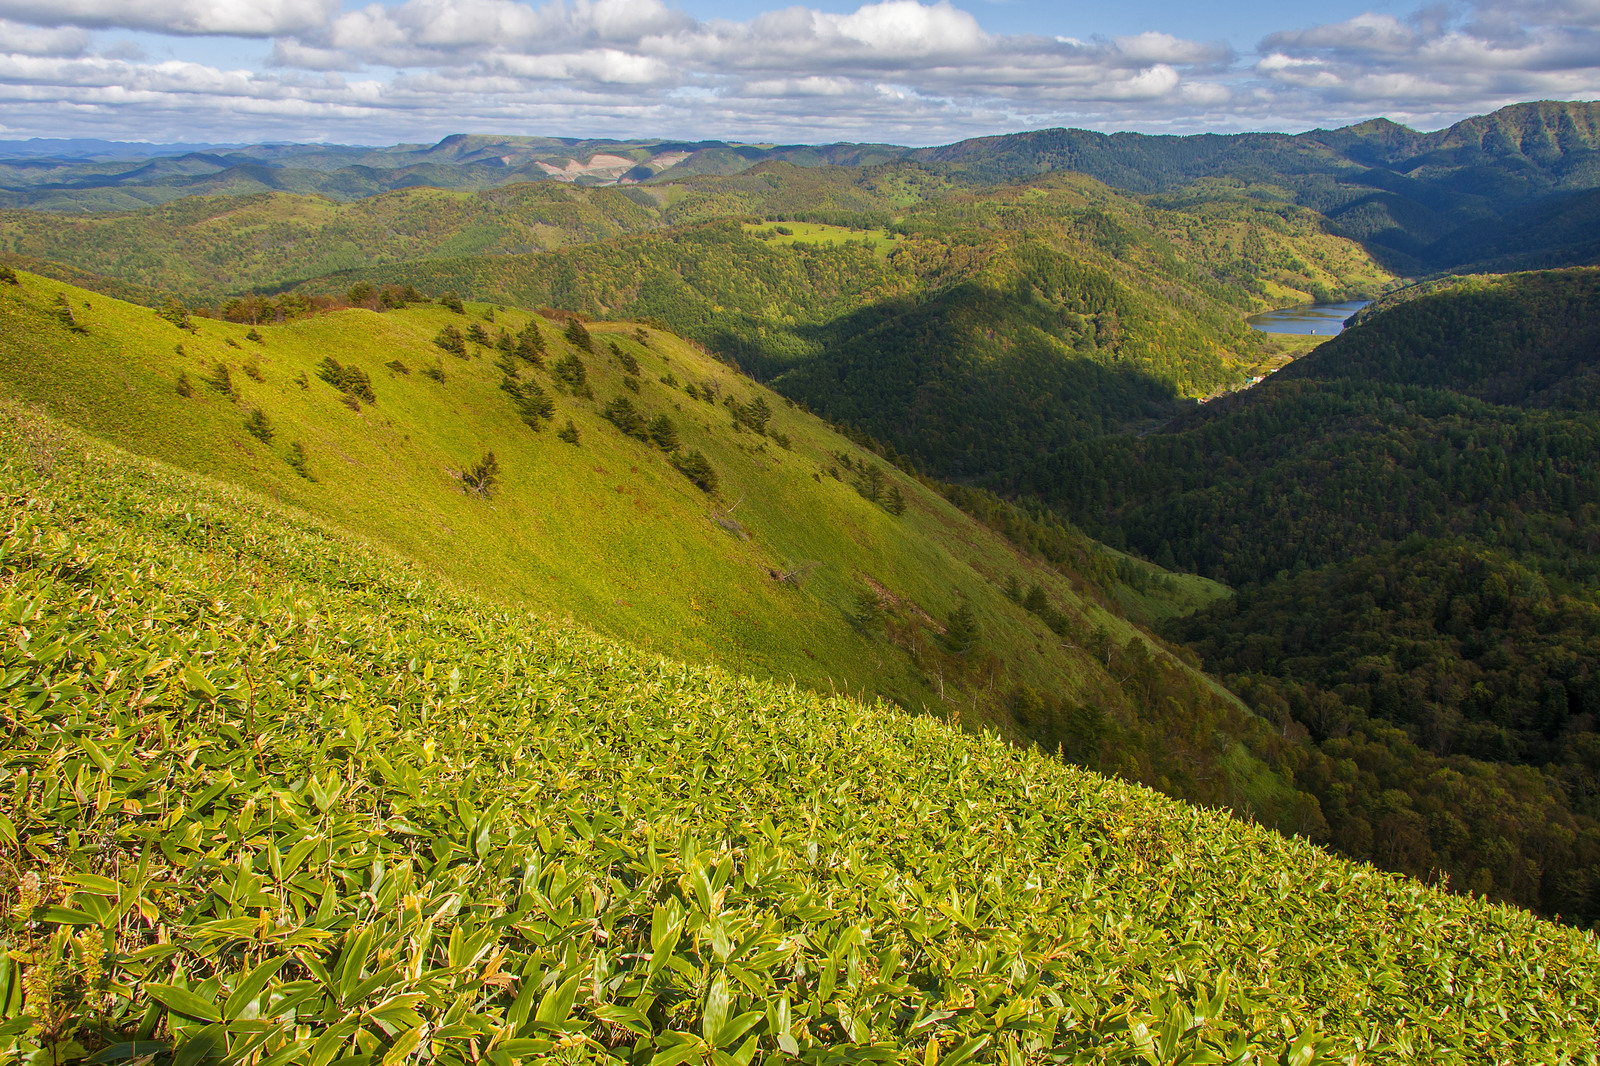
494	838
1409	515
787	570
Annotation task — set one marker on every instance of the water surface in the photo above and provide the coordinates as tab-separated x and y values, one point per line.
1324	320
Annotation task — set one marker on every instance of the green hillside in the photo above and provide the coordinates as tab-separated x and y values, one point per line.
473	835
104	181
1408	513
788	570
995	326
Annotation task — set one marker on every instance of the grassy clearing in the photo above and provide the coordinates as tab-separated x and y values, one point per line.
273	797
879	241
1150	594
1278	350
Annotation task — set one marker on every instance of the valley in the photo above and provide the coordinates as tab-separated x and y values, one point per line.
658	602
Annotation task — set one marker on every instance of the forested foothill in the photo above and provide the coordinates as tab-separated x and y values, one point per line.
1408	515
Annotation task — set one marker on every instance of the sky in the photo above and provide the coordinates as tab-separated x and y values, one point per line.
896	71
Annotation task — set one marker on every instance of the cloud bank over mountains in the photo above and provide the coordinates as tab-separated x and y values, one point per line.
898	70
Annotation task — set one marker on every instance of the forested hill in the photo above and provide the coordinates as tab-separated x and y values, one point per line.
1533	341
1466	411
1420	201
210	247
1410	516
1547	144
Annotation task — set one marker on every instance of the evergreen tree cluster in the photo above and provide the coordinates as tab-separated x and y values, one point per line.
350	380
451	340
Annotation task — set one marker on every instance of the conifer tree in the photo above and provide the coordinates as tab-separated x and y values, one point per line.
258	426
664	433
756	414
960	631
297	461
570	370
895	502
174	311
621	413
222	381
630	363
579	337
868	613
697	468
530	345
451	340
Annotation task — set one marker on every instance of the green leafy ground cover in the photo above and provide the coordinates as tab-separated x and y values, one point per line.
274	797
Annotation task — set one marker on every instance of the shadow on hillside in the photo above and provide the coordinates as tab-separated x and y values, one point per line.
974	385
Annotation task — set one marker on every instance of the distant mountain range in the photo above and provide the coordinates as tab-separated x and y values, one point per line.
1510	189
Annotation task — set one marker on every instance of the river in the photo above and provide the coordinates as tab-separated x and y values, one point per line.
1324	320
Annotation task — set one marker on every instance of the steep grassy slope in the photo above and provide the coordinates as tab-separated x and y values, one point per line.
273	797
787	571
628	536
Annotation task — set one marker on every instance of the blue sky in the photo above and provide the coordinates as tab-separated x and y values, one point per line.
904	71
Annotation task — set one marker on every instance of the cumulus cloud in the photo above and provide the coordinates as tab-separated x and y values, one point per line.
242	18
17	39
904	70
1474	58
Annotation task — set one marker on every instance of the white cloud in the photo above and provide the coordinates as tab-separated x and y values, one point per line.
1493	53
1364	33
240	18
17	39
1165	48
904	70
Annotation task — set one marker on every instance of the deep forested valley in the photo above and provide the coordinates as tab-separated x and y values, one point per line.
1409	517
